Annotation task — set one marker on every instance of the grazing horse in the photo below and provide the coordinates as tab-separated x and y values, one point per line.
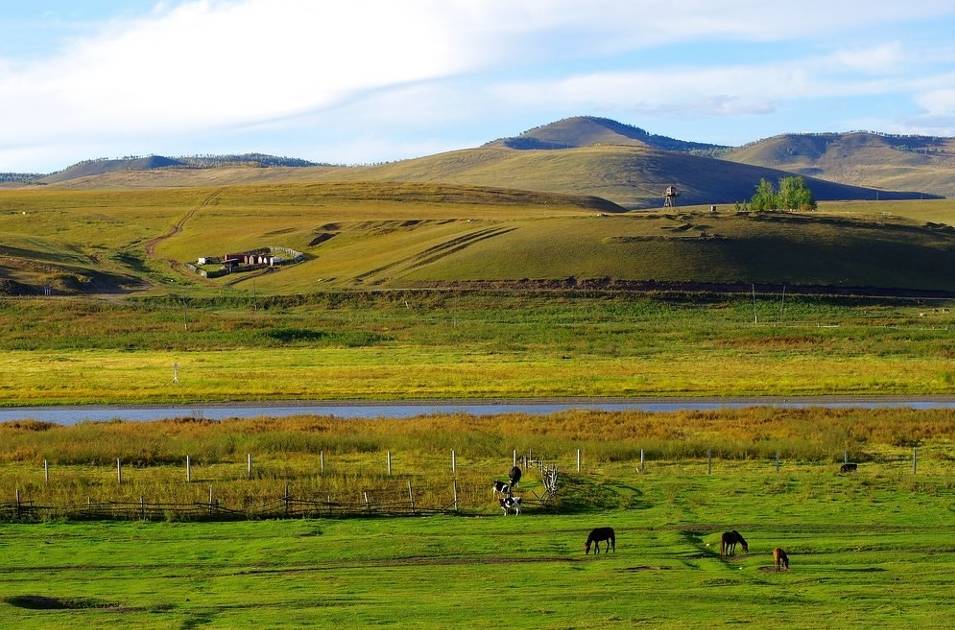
848	468
509	504
501	487
598	535
729	541
514	475
780	559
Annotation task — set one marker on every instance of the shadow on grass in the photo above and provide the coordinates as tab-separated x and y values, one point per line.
579	495
41	602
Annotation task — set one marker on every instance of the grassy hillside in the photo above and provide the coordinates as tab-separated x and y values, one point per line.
105	241
919	163
632	176
392	235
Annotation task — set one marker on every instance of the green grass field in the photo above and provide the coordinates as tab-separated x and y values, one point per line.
460	345
869	549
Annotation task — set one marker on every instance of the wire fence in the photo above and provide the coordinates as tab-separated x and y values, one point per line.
399	495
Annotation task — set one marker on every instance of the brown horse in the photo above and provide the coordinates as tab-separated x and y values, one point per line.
729	541
598	535
780	559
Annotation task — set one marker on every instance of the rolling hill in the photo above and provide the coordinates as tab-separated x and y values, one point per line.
583	155
924	163
583	131
633	176
91	169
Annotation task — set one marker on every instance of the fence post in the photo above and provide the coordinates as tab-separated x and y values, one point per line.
778	463
453	463
915	459
142	507
709	461
119	470
845	456
188	469
321	462
578	460
389	463
641	460
46	472
454	491
286	498
248	465
211	505
411	496
367	504
18	502
514	457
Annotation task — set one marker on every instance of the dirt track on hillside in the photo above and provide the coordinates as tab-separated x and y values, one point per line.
152	243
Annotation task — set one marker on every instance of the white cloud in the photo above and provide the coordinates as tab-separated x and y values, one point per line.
938	102
201	65
874	59
210	64
740	89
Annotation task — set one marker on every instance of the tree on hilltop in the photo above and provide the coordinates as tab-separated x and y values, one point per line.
793	194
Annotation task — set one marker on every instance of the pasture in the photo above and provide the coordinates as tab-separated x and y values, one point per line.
870	548
426	344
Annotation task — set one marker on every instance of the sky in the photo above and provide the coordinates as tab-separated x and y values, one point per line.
364	81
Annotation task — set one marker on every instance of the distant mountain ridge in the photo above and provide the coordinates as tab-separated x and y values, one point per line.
586	155
101	166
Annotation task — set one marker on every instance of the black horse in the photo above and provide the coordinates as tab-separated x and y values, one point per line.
598	535
729	541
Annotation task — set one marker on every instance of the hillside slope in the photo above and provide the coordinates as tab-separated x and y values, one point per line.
95	241
922	163
632	176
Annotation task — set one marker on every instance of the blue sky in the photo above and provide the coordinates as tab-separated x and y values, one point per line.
370	80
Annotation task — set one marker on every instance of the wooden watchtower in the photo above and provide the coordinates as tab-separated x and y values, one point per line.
669	197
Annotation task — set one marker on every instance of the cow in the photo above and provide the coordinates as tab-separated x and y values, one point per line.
509	504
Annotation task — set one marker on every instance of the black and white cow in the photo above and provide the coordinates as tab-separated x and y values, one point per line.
511	504
502	488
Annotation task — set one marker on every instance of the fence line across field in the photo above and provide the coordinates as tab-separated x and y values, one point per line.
403	499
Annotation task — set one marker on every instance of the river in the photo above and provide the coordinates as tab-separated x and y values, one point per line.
407	409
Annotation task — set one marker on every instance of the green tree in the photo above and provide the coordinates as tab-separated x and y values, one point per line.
765	197
794	194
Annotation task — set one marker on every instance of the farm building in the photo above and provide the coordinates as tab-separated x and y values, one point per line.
254	259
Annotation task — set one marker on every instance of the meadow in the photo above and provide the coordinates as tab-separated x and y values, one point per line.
441	344
870	548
